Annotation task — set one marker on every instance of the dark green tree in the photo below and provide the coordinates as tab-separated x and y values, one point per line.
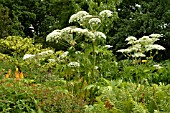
5	21
142	17
43	15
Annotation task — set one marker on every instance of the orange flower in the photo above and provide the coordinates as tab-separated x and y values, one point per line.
8	74
21	75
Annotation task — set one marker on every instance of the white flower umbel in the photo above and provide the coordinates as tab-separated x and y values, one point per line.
74	64
73	18
155	35
82	13
28	56
100	34
64	54
66	30
125	50
137	5
55	35
78	16
146	40
106	13
138	46
131	38
135	48
91	35
138	54
108	46
80	30
157	66
154	46
46	52
94	21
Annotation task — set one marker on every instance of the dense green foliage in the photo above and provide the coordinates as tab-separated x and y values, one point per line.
152	16
43	15
84	56
23	96
136	18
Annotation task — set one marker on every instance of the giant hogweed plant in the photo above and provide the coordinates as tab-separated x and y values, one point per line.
87	39
140	56
139	48
89	57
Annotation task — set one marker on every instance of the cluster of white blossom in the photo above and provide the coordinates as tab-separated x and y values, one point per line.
131	38
94	21
64	54
67	33
74	64
137	5
100	34
145	40
156	35
28	56
136	46
125	50
96	34
157	66
66	30
91	35
154	46
79	30
78	16
142	45
106	13
54	36
108	46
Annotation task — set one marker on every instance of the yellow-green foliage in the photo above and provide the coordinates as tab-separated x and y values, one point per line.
4	57
17	45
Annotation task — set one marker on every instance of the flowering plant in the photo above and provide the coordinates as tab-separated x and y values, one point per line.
141	53
88	38
140	47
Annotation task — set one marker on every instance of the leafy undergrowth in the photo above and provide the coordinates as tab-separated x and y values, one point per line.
18	96
124	97
24	95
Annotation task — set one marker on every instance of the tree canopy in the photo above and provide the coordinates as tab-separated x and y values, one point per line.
131	18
